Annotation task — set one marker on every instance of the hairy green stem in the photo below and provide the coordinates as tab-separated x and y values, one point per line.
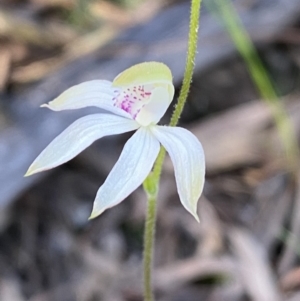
148	247
152	182
190	61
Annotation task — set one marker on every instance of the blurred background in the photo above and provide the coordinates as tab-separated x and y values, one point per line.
244	106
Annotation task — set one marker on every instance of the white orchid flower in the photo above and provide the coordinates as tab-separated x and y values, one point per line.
138	98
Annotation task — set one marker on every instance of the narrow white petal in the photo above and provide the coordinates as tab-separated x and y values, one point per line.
187	156
98	93
77	137
133	166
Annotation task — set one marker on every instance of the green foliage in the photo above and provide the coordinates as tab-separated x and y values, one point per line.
80	16
126	3
227	13
287	237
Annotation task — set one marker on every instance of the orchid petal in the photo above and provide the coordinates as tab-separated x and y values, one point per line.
133	166
77	137
98	93
187	156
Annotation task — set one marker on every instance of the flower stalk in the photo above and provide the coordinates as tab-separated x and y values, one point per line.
151	183
148	246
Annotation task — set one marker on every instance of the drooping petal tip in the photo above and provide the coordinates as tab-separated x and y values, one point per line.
195	215
29	172
34	168
45	105
95	213
192	209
